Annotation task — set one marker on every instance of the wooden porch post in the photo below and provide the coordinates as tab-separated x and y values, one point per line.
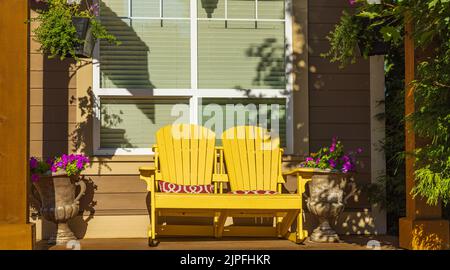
423	226
15	231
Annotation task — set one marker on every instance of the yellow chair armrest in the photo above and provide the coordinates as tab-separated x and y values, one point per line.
301	171
147	174
281	180
303	175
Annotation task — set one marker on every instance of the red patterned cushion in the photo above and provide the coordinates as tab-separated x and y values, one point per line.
175	188
258	192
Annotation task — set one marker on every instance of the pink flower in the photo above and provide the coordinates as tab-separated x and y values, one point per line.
359	150
308	159
352	2
34	178
333	144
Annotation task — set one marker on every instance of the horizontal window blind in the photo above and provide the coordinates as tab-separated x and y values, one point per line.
133	122
231	112
241	54
154	53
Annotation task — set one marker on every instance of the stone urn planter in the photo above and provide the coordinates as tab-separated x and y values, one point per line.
327	200
59	203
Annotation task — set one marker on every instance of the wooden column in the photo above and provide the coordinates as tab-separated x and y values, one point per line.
423	226
15	230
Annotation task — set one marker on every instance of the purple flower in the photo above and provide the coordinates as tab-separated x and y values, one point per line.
347	167
332	163
317	160
49	161
34	178
33	163
345	158
308	159
94	9
64	160
80	164
54	168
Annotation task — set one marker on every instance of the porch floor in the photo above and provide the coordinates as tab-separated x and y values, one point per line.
352	242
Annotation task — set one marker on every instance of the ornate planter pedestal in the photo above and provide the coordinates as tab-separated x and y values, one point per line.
327	201
58	203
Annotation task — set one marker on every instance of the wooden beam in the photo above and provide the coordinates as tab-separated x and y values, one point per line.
423	226
15	231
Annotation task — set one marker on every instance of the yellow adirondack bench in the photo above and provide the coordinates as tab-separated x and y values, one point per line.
187	155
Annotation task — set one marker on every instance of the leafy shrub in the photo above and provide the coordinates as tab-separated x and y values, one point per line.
56	32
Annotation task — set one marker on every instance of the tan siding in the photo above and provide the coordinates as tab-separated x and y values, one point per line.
54	114
47	148
52	86
52	79
37	63
52	97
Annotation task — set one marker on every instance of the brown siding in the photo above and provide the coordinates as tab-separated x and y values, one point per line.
339	98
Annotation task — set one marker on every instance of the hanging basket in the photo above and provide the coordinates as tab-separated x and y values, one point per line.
84	33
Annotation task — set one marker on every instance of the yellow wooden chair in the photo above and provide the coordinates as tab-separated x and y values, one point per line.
184	155
187	155
253	162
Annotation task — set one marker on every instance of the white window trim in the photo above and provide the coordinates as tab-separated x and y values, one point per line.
194	93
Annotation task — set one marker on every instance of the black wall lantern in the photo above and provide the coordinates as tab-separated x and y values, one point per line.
209	6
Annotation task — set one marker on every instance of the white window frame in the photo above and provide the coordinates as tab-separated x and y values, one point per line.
194	93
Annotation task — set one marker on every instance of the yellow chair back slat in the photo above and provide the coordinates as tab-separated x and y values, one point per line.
186	154
252	158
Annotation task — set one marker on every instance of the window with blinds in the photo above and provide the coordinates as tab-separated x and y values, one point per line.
241	55
133	122
219	114
171	47
154	53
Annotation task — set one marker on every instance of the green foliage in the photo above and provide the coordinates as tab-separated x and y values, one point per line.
361	29
344	41
56	32
431	121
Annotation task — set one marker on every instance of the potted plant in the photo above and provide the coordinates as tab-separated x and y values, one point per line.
69	29
56	181
355	33
333	169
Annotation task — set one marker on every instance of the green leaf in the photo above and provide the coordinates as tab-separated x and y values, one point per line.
433	3
367	14
390	33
